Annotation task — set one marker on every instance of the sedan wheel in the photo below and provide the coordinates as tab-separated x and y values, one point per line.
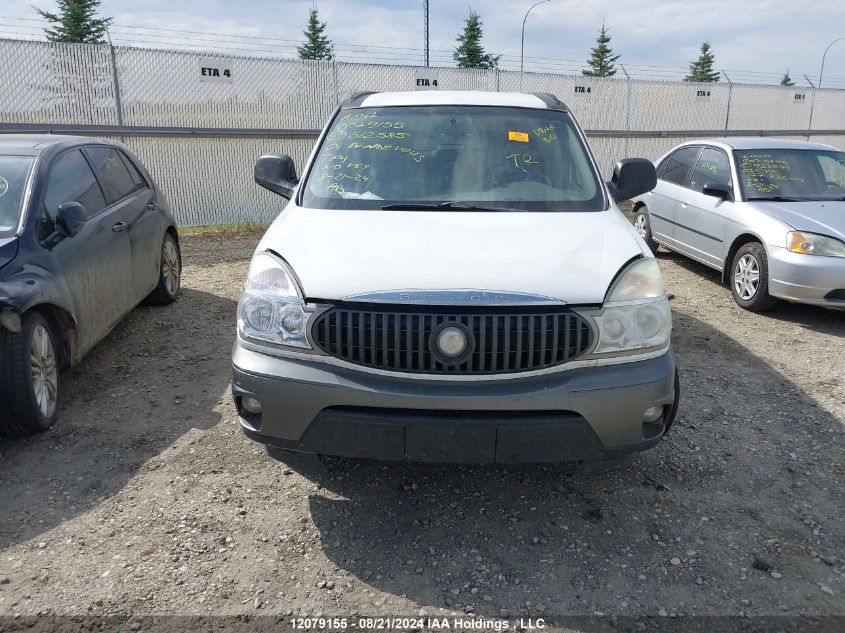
747	277
642	223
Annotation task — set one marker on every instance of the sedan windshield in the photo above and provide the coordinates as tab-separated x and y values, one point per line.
462	158
14	174
791	174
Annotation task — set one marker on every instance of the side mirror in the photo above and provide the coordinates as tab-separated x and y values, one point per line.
720	190
71	217
277	173
632	177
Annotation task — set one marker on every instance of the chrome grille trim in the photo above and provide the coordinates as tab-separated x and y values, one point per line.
509	340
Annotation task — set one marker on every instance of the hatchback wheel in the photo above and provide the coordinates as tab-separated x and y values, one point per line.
170	273
750	278
642	223
29	377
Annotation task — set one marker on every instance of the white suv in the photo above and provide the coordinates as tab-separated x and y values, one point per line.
451	281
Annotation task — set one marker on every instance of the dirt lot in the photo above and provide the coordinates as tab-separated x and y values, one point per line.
146	498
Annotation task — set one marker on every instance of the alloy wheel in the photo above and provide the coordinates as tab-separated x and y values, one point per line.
640	224
45	371
170	266
747	277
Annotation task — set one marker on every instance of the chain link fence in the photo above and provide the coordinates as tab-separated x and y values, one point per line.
198	120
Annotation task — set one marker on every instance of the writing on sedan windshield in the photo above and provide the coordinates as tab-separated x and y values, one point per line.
765	173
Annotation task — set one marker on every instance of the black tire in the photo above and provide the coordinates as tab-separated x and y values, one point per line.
167	289
642	222
751	258
21	414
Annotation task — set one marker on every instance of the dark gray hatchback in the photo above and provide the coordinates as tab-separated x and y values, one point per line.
85	235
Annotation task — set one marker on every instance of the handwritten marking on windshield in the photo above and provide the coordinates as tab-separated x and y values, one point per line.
520	160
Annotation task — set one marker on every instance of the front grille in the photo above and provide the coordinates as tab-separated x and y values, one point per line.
394	339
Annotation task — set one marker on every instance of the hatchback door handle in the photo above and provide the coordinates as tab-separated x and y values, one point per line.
120	226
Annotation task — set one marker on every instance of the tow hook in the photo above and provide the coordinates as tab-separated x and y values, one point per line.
10	320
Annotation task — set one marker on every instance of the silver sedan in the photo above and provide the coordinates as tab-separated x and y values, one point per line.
768	214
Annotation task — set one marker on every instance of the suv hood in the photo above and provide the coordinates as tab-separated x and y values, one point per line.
570	257
8	249
824	217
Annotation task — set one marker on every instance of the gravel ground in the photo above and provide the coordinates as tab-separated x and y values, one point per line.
146	498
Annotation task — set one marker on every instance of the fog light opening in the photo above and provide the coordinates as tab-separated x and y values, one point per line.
653	414
250	405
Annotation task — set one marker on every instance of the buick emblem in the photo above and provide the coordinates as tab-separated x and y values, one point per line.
451	342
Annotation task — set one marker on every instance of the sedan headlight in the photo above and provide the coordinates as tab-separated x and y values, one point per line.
272	308
635	317
813	244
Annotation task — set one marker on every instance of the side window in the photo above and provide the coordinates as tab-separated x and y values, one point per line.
679	165
137	178
71	180
661	167
833	170
712	166
116	179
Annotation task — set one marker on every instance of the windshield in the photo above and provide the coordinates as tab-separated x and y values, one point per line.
791	174
14	174
489	157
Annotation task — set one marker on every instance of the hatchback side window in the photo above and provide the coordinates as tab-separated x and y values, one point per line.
712	166
71	180
137	178
679	165
116	179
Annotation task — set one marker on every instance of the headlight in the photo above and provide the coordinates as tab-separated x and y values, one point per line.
635	317
812	244
272	308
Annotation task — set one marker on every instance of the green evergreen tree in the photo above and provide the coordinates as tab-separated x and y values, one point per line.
602	60
701	70
787	80
76	21
469	52
317	45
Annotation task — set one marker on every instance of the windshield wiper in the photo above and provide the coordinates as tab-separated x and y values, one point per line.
777	199
452	204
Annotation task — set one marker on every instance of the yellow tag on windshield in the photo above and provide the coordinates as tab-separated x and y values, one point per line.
522	137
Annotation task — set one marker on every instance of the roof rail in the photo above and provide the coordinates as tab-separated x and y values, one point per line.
551	101
357	98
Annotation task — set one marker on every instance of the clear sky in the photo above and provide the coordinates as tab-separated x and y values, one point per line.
767	36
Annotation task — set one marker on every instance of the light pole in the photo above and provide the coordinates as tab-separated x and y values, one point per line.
821	72
522	47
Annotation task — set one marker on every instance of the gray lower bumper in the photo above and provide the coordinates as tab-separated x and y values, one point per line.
583	413
806	278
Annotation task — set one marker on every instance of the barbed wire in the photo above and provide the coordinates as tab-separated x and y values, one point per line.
230	43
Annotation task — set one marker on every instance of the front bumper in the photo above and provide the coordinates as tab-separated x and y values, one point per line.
586	413
806	278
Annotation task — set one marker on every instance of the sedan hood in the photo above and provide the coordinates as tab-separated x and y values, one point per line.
8	249
824	217
569	257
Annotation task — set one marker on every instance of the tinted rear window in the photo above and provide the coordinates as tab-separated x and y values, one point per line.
679	164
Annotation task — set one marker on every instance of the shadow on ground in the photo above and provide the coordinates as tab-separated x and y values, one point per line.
134	395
